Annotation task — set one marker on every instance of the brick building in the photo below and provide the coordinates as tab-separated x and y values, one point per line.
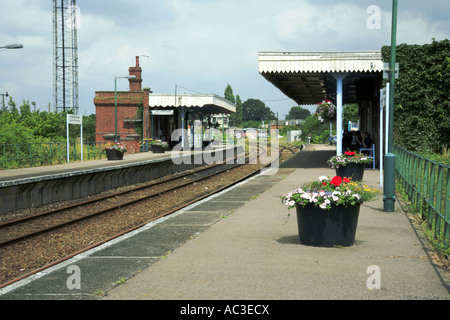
129	116
141	114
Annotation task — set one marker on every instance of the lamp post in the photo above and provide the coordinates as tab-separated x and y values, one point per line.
10	46
3	98
389	158
115	102
13	46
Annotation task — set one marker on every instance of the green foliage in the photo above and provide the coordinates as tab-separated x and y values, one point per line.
235	118
350	113
422	103
12	132
21	125
250	124
298	113
29	138
285	129
321	131
238	115
228	95
318	131
254	109
250	110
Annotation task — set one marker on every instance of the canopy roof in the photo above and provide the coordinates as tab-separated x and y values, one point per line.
206	103
307	77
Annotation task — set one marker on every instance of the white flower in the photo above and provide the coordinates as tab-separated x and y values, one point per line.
322	178
292	203
323	206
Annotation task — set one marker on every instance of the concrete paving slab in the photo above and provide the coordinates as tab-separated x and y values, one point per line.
128	256
253	253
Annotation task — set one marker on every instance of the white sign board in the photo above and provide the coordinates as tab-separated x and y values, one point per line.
384	111
162	112
383	98
74	119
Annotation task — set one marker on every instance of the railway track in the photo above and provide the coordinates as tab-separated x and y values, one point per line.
60	231
20	229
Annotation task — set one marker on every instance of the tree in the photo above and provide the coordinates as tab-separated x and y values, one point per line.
310	127
298	113
254	109
21	125
235	118
229	94
89	128
350	113
238	114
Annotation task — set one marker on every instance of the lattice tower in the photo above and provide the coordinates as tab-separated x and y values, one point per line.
65	55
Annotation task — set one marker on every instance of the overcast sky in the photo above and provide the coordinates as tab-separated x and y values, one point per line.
201	45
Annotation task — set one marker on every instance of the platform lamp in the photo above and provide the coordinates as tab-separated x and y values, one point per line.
10	46
115	102
13	46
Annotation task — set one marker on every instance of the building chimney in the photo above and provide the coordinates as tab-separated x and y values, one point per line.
135	84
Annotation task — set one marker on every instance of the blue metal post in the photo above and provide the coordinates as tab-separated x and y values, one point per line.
339	92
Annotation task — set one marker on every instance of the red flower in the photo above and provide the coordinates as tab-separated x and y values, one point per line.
336	181
324	183
346	180
349	153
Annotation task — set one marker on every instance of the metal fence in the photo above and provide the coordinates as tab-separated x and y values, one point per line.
46	153
427	184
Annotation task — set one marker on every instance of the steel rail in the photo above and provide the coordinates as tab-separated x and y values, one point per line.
9	241
70	256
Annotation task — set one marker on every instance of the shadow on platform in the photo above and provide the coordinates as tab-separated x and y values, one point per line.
309	159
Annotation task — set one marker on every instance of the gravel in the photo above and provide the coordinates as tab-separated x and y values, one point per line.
27	256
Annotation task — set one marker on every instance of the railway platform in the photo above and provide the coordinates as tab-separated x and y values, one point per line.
77	166
37	186
241	245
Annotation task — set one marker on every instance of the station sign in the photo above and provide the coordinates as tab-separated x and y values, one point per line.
74	119
162	112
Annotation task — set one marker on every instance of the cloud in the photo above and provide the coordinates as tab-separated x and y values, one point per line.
417	28
314	26
202	45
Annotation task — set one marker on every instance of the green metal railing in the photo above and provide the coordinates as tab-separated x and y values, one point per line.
427	185
46	153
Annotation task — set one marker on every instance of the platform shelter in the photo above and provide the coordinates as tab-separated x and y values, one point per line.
342	77
189	112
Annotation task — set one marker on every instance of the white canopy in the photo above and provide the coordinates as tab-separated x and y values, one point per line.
307	77
206	103
310	77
